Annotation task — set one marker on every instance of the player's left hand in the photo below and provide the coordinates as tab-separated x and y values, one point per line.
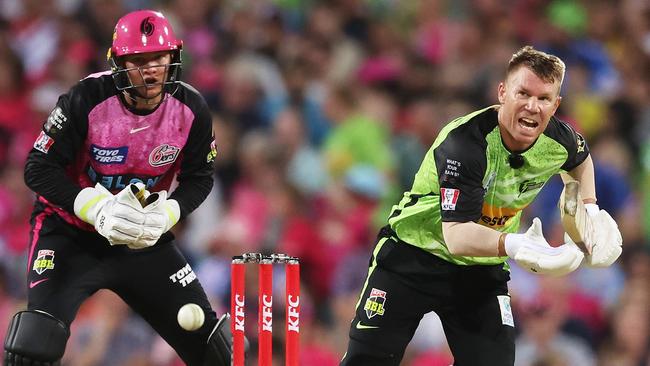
161	214
608	242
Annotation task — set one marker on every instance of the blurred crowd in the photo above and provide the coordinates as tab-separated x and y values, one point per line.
322	112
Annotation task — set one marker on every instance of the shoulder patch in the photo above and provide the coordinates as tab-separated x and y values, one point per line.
56	121
213	152
580	143
43	142
449	198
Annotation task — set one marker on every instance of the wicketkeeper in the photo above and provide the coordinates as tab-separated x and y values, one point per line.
447	241
114	133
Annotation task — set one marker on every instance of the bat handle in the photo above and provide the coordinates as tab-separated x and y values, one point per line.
140	192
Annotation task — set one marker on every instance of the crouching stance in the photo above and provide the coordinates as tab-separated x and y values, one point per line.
112	139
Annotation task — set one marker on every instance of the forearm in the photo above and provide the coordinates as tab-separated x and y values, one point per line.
191	192
584	173
51	182
530	250
472	239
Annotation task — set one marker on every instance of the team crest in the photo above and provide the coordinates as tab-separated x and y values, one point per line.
44	261
375	303
147	27
163	155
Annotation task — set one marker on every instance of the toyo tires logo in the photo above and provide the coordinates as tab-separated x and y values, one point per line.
163	154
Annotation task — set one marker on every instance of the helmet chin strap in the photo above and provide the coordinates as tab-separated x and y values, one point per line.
133	96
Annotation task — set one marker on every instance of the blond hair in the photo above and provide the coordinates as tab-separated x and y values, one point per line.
547	67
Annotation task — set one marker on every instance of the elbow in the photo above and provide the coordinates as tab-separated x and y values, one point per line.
30	174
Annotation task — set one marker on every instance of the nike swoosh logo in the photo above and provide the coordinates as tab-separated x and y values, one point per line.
361	326
34	283
134	130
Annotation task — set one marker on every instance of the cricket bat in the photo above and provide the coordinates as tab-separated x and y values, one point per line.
140	193
575	219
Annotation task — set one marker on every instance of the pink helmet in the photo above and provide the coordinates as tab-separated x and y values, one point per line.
143	31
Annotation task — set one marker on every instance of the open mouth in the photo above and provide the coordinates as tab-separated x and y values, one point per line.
528	123
151	81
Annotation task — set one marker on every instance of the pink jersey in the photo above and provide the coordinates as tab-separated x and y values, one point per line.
93	137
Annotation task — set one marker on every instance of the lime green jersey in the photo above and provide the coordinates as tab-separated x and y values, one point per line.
469	175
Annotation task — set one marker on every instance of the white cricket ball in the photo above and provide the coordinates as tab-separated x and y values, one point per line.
190	317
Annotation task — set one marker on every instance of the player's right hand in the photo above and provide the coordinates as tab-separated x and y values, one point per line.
532	252
118	218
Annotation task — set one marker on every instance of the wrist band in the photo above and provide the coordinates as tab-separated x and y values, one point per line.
501	245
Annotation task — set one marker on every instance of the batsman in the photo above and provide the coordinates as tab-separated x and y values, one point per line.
446	243
110	140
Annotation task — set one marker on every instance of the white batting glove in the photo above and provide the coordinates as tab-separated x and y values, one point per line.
532	252
160	215
607	239
118	218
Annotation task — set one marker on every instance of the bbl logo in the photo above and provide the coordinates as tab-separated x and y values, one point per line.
44	261
375	303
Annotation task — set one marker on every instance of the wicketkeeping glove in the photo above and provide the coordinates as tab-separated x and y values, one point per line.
607	240
161	214
532	252
118	218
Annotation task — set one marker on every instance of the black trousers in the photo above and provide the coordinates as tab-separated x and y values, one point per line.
66	265
405	282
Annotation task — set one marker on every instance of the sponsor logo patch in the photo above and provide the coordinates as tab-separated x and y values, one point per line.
240	314
495	221
506	310
530	186
449	198
109	155
33	284
453	167
56	121
213	152
43	143
163	154
119	182
375	304
44	261
293	313
184	276
581	144
136	130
